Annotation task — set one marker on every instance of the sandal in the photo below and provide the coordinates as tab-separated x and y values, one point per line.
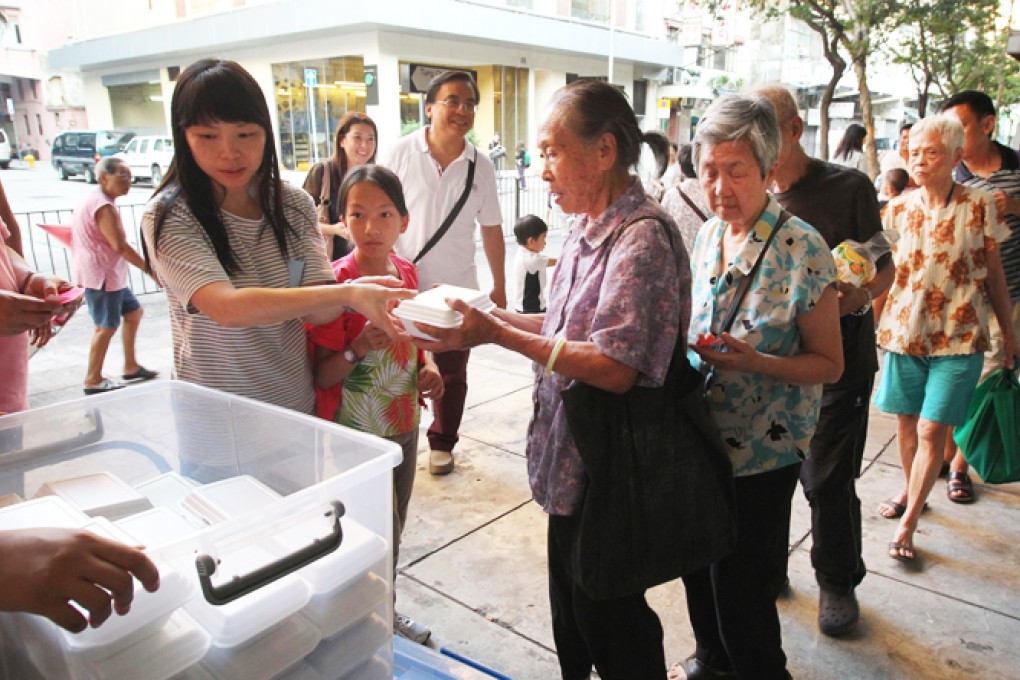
959	488
901	552
105	385
141	375
891	509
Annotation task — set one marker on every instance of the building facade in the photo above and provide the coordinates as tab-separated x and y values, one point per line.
315	60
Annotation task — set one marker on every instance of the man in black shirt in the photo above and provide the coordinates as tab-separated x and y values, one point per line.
842	205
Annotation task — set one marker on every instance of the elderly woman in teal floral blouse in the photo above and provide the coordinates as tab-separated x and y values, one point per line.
766	376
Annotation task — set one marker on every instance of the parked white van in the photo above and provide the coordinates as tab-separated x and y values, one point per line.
148	157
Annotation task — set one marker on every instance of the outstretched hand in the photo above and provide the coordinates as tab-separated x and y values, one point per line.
43	570
476	328
375	297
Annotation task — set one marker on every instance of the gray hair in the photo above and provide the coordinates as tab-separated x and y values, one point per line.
108	165
947	127
748	118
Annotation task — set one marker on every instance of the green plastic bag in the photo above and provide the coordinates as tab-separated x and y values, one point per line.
991	438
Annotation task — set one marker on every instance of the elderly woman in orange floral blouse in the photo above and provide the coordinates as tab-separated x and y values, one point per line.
934	327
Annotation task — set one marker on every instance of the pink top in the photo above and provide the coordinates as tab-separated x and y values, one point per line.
13	348
96	264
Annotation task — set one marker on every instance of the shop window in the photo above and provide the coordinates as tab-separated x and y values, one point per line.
311	98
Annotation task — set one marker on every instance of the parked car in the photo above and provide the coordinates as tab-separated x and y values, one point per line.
148	157
5	150
76	152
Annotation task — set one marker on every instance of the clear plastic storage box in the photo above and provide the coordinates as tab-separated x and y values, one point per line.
271	531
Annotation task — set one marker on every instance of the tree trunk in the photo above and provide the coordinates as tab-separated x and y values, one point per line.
830	46
860	68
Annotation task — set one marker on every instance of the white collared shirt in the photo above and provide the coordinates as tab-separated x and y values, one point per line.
430	196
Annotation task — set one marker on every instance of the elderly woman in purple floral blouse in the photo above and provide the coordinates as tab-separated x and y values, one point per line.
618	302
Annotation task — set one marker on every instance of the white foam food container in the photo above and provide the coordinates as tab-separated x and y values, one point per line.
167	490
247	572
430	307
266	656
333	657
101	494
158	527
50	512
227	498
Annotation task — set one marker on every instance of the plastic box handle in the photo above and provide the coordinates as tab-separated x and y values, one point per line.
240	586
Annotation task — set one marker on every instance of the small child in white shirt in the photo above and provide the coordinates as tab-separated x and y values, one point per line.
529	293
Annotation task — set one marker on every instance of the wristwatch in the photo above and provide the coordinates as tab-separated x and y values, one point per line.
866	306
351	357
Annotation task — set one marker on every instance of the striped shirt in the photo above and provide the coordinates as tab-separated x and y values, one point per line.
268	363
1006	179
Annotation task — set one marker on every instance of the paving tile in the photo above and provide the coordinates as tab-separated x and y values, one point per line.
485	484
459	628
907	632
967	552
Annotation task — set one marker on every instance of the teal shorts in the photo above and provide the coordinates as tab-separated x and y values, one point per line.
937	388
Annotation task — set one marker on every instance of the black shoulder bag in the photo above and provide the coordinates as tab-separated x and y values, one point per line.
659	502
448	222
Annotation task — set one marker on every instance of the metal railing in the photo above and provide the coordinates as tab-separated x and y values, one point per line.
46	254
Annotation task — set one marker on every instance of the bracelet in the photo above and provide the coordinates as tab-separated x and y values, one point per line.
866	307
554	354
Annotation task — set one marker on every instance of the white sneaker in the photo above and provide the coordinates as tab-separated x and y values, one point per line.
407	627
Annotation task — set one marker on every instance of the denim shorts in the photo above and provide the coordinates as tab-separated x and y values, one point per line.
108	306
937	388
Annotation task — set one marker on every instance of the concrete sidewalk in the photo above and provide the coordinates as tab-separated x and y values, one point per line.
473	556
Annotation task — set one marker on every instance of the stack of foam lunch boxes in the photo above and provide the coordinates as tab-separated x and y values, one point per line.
271	531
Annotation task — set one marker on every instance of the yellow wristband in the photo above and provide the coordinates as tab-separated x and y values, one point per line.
554	354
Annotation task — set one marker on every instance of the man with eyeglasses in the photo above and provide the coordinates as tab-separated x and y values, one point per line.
440	171
101	253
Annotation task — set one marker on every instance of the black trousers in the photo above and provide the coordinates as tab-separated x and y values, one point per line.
829	479
621	637
732	603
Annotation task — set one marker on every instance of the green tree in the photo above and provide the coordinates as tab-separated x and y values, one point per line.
951	46
853	26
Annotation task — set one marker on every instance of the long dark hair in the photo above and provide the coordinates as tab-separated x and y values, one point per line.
853	140
384	178
590	108
218	91
349	120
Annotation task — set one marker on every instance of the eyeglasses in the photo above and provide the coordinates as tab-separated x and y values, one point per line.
123	175
454	103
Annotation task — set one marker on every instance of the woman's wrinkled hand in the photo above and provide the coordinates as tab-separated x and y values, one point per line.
477	328
735	355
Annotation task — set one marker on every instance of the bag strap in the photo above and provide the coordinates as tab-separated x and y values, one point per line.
745	282
326	184
448	222
696	209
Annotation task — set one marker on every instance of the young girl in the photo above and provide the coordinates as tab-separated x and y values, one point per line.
363	379
239	251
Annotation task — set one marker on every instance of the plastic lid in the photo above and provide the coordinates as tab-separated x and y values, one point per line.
237	622
100	494
359	550
228	498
